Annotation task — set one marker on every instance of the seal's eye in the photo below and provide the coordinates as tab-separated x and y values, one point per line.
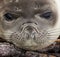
47	15
8	16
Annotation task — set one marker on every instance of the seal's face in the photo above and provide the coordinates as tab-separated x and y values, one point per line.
29	24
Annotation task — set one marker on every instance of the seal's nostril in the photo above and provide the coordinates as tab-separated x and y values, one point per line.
32	22
29	22
29	28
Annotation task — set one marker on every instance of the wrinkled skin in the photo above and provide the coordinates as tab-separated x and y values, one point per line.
24	23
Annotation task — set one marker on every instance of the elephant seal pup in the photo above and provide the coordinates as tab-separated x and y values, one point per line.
30	24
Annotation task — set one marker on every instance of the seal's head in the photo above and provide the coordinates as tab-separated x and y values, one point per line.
30	24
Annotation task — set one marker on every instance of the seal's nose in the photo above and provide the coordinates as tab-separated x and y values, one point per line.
29	28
